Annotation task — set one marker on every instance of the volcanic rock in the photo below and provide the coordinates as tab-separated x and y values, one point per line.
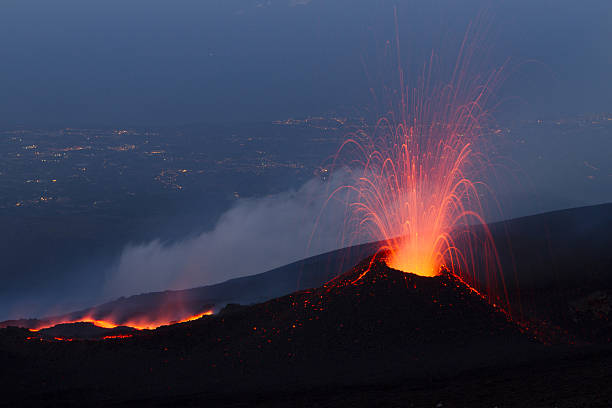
386	325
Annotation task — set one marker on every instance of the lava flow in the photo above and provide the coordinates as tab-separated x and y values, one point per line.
418	179
139	324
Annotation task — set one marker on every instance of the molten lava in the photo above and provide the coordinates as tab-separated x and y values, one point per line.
117	336
418	179
139	324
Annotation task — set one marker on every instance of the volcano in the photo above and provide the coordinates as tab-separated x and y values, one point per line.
387	325
383	337
556	266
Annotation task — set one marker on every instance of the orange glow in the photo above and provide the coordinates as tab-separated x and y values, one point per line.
139	324
118	336
417	179
196	317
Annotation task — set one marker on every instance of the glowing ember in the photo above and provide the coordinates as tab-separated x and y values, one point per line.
118	336
417	178
196	317
140	324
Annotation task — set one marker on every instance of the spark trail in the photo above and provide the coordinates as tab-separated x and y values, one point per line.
418	178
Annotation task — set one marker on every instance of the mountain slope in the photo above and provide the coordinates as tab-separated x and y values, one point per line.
387	326
555	264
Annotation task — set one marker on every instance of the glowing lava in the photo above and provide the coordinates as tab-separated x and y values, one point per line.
417	179
139	324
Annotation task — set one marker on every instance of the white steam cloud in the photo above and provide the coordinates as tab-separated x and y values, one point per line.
254	236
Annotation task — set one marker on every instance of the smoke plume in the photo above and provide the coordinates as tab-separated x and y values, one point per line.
254	236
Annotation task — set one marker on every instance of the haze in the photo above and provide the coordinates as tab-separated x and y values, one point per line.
155	62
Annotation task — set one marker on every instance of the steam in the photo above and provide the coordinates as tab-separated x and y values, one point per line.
254	236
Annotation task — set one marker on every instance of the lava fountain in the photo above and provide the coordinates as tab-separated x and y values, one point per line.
418	178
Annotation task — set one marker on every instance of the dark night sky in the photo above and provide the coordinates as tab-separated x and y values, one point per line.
157	62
